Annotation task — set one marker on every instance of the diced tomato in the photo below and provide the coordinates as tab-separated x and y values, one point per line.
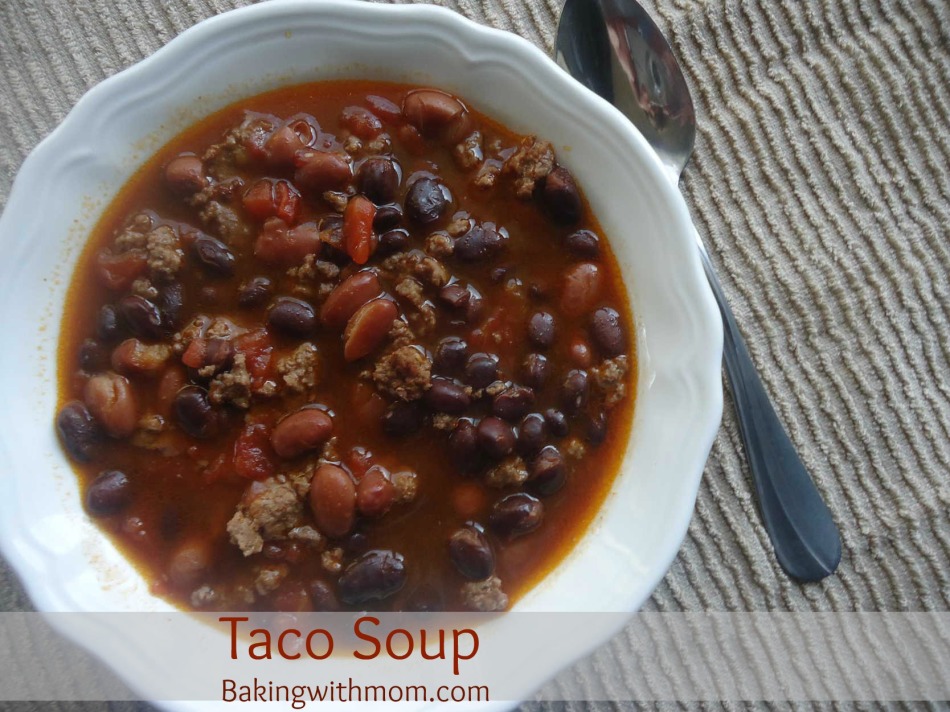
279	245
358	228
362	122
253	454
117	272
358	460
269	198
258	350
384	108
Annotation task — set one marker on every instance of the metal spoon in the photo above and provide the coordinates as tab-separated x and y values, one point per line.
615	49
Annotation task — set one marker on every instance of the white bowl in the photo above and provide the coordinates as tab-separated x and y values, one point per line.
64	561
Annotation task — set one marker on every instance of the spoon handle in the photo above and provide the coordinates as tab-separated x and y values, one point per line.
803	533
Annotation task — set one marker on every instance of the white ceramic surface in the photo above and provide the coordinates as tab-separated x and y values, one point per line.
63	561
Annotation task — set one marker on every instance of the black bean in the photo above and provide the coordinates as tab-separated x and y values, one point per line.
596	430
378	179
322	596
531	434
142	316
428	200
377	574
402	419
393	241
513	402
499	274
541	329
471	553
606	330
560	197
479	243
495	437
535	371
92	356
108	326
255	292
583	243
464	444
294	317
387	217
108	494
547	471
445	396
474	310
214	255
575	391
195	414
450	356
78	430
557	422
170	302
481	370
516	514
455	296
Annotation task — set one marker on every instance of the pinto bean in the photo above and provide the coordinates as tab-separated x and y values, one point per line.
547	471
108	494
361	122
132	357
428	200
78	430
300	432
254	292
293	317
367	328
560	197
445	396
110	400
606	329
516	514
347	297
333	500
214	255
320	171
378	179
185	174
195	414
580	288
437	115
471	553
189	561
579	352
375	494
495	437
377	574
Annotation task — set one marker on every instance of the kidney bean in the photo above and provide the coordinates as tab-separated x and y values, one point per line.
402	419
471	553
495	437
185	175
583	243
300	432
556	422
368	328
195	414
455	296
606	329
393	241
279	245
450	356
108	326
188	562
579	352
377	574
535	371
378	179
255	292
516	514
575	391
480	243
110	400
387	217
142	316
384	108
133	357
531	433
78	430
361	122
283	145
322	596
547	471
358	236
214	255
291	316
117	272
375	494
333	500
445	396
319	171
463	442
541	329
347	297
203	352
596	431
481	370
513	402
560	197
437	115
427	200
580	288
108	494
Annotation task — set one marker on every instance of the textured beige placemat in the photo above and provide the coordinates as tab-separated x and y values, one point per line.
821	179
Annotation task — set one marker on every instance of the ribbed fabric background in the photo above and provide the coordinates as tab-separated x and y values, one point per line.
821	180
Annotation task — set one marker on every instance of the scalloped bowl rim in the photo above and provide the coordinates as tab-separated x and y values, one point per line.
696	370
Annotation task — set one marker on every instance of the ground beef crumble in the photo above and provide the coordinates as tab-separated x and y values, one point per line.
300	369
485	596
424	317
406	484
232	387
610	379
468	153
510	472
531	161
270	512
417	264
405	373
